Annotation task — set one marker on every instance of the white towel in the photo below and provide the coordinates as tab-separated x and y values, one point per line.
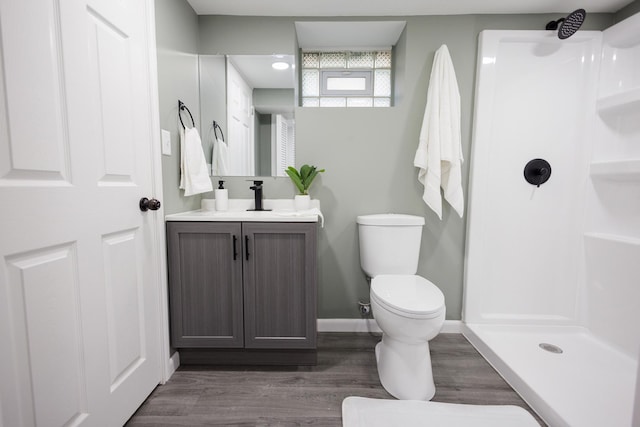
220	158
313	211
439	154
307	212
194	177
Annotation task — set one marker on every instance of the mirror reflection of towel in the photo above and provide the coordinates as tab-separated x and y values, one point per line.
220	158
439	153
194	176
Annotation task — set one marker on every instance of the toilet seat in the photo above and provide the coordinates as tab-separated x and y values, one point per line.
407	295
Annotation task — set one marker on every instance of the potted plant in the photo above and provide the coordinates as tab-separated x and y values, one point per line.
302	180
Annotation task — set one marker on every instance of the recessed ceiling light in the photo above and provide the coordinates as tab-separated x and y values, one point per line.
280	65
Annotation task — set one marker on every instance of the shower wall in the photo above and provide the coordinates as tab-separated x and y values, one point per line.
535	98
612	237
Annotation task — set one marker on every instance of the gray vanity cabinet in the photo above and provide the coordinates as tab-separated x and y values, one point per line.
249	286
280	285
205	285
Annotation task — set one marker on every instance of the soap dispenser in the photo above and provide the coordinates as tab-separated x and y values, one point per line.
222	197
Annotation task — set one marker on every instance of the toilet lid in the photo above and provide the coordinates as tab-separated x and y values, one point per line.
410	294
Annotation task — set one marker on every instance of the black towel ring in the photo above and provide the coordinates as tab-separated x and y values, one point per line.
182	107
216	126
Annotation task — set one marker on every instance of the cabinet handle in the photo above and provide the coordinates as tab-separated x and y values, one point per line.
246	247
235	248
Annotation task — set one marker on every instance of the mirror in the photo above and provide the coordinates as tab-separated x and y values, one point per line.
252	104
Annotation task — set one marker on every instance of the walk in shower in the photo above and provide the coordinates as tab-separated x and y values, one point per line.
552	281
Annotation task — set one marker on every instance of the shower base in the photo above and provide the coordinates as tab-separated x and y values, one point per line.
588	383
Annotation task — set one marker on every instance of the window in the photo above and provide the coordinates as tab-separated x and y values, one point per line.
346	79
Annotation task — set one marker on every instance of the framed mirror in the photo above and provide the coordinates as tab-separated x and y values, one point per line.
247	111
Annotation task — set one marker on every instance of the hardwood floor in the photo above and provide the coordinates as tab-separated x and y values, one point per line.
312	395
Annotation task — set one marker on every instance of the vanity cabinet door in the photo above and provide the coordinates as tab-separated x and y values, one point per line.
205	288
280	285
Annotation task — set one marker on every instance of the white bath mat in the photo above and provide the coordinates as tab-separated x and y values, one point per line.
365	412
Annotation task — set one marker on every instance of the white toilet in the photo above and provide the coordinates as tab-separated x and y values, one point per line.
408	308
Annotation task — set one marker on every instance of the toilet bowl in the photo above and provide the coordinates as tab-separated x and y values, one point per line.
410	310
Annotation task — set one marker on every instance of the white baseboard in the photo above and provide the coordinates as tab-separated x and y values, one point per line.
452	327
174	363
370	325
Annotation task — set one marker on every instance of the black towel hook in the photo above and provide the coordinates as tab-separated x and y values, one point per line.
182	107
216	126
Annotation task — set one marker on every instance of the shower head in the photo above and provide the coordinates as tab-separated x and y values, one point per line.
568	26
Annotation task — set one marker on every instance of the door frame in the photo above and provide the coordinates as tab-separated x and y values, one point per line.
169	363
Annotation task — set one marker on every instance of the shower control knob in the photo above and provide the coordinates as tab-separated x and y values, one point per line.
537	172
149	204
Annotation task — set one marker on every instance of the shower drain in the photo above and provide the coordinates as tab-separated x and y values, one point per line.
550	348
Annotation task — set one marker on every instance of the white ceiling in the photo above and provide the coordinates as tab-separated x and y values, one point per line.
397	7
258	72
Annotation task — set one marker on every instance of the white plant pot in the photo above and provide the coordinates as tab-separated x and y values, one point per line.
302	202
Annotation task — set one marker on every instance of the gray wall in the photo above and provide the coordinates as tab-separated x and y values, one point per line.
177	44
256	35
274	100
368	153
263	144
627	11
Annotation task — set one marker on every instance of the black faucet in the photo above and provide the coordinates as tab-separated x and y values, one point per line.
257	188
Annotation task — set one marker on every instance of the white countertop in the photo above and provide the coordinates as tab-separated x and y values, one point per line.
282	210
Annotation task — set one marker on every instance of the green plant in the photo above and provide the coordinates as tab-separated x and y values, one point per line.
303	179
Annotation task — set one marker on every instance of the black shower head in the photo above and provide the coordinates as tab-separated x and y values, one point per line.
568	26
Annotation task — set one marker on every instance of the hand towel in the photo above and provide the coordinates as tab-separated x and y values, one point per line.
313	211
439	154
194	177
220	158
307	212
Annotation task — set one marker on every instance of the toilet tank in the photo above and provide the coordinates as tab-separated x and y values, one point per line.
389	243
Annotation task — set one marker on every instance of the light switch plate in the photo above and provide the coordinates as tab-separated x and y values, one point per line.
166	142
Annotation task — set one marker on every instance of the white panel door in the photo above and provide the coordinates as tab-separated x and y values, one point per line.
79	318
240	123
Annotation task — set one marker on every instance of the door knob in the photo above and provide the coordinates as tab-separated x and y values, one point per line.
146	204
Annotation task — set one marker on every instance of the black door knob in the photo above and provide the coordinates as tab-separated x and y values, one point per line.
146	204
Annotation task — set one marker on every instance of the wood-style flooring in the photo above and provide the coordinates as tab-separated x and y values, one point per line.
312	395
